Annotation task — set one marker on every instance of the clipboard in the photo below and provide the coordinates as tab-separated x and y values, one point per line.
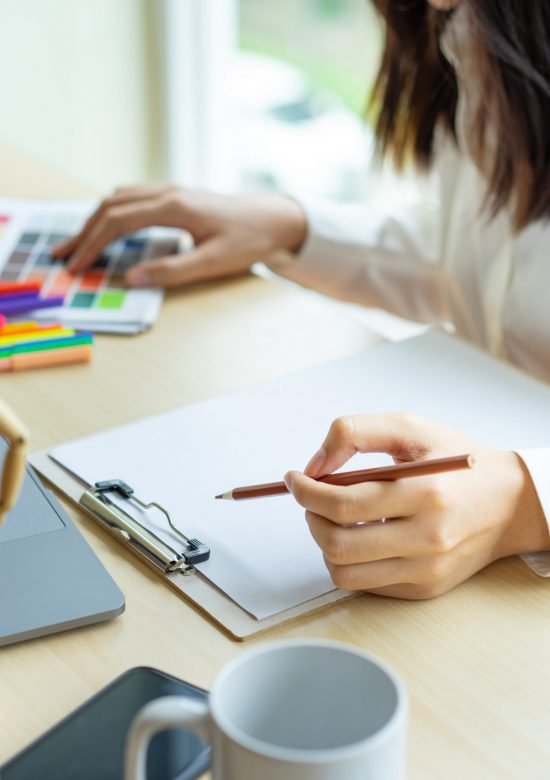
500	406
193	587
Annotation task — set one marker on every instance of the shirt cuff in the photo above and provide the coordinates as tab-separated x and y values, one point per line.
331	229
537	463
538	562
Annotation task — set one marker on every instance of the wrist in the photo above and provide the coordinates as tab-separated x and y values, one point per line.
526	529
289	224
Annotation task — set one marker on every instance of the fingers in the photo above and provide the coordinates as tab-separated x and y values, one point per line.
398	558
207	261
125	218
405	590
403	436
121	196
367	501
364	543
391	573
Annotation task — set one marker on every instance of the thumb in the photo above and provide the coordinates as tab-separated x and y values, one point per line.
202	262
403	436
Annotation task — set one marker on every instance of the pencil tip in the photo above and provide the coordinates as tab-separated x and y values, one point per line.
220	496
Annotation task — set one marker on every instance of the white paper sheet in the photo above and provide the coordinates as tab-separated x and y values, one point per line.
262	554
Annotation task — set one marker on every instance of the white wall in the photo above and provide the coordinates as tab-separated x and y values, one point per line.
80	87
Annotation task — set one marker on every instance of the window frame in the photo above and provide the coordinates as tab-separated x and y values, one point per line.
198	39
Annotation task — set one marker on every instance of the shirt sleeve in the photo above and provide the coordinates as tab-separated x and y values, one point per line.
378	254
392	257
537	462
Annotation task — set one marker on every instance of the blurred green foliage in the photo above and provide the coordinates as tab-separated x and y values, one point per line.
336	43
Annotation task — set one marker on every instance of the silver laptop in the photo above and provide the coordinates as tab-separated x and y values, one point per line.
50	579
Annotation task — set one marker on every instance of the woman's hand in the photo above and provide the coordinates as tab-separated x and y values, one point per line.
230	232
438	529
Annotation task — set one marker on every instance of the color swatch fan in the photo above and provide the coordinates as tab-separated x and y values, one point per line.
96	300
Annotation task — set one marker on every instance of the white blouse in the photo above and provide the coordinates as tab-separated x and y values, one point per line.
442	260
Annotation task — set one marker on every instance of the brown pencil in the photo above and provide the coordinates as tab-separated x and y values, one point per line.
417	468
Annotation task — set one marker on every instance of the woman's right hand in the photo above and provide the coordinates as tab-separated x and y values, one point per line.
230	232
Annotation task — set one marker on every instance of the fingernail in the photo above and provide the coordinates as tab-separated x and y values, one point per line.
288	480
138	277
315	465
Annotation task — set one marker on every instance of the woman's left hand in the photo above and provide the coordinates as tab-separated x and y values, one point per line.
438	529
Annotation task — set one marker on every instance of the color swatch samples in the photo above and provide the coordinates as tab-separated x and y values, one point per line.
96	299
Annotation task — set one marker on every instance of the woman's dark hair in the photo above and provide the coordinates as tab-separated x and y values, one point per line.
416	92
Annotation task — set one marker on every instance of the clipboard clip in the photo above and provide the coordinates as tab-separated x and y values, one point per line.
143	540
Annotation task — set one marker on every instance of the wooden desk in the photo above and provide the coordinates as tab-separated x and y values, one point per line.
476	662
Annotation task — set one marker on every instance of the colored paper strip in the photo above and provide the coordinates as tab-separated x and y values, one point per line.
53	357
18	307
37	346
25	295
20	287
19	338
13	328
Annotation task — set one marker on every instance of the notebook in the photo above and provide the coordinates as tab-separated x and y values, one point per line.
264	566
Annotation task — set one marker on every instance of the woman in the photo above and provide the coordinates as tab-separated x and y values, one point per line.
464	88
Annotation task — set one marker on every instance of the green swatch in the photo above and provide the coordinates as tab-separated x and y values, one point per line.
111	299
82	300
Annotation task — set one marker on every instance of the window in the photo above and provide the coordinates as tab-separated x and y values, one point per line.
299	92
270	93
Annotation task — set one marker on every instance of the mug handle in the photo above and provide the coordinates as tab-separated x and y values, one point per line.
158	715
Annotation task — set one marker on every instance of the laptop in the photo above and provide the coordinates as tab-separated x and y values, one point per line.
50	579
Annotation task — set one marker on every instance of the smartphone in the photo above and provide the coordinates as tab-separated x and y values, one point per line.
89	743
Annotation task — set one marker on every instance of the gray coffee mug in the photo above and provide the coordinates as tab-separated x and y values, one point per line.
291	710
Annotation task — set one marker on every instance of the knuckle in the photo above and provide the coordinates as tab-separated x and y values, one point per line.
440	539
342	577
170	198
174	199
436	494
335	547
343	428
114	216
411	435
434	574
342	508
174	205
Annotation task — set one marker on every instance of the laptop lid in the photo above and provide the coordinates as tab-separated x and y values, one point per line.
50	579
